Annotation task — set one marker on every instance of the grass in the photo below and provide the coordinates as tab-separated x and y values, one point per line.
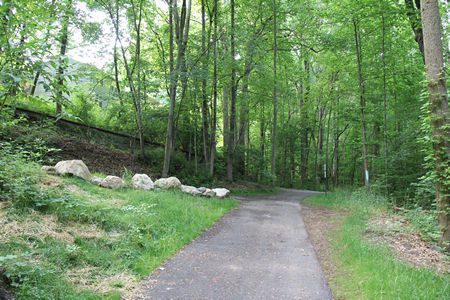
369	271
87	242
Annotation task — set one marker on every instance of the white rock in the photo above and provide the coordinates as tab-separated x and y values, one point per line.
49	169
208	193
73	167
190	190
142	181
97	180
167	183
112	182
221	192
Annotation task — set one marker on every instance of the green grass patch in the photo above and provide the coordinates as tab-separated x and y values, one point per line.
366	270
81	241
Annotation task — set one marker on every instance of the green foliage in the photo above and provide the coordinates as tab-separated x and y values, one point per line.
18	178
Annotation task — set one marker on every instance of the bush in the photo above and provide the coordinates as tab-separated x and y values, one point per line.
18	177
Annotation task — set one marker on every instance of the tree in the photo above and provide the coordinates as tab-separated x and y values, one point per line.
274	132
181	22
439	114
232	121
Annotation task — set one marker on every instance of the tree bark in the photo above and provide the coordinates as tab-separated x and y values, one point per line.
439	113
385	107
62	51
205	112
304	127
413	13
181	31
214	112
362	106
230	149
274	131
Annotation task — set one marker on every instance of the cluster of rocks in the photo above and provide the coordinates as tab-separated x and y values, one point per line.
139	181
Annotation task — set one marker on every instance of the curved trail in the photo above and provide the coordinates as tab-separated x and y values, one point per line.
260	250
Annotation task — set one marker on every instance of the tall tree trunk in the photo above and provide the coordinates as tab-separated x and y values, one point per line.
172	91
440	117
363	106
62	53
274	131
214	112
137	95
385	108
304	127
181	30
413	13
230	149
205	112
225	113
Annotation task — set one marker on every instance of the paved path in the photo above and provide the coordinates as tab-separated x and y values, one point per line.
258	251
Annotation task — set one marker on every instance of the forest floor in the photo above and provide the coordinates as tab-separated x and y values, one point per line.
99	158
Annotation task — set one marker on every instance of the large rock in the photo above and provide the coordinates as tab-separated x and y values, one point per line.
49	169
208	193
190	190
168	183
73	167
221	192
112	182
142	181
97	180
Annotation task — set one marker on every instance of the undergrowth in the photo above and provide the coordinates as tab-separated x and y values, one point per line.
369	271
70	239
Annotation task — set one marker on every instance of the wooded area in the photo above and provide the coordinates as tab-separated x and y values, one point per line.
308	94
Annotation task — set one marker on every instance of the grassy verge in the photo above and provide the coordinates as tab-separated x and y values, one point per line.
366	270
70	239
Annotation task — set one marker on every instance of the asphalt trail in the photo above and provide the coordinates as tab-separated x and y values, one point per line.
260	250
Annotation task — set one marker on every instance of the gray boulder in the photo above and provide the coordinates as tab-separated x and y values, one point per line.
97	180
49	169
73	167
142	181
221	192
190	190
208	193
112	182
202	189
168	183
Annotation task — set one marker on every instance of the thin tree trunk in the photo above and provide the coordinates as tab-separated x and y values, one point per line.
62	52
172	90
413	13
181	30
274	132
205	113
304	127
225	114
439	113
214	116
230	150
363	106
385	109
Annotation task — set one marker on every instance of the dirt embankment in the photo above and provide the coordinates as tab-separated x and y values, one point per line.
99	158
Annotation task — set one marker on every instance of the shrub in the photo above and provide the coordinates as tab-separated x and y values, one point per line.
18	177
